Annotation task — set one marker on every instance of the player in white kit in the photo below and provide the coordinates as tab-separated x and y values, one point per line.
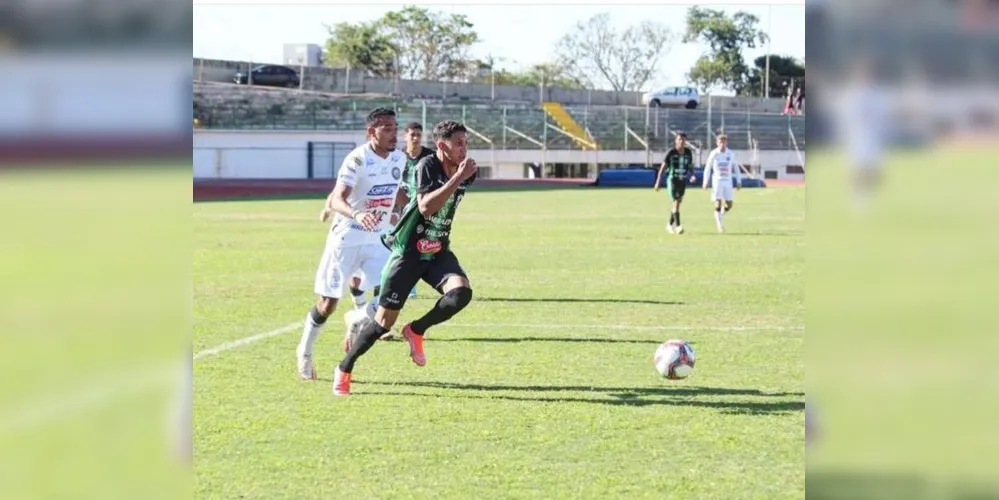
362	201
720	168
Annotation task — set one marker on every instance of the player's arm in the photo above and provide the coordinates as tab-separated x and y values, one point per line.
737	172
401	200
707	168
659	175
345	180
690	161
431	194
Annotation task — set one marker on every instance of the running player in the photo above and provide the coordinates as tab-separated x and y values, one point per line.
420	246
678	165
365	192
720	168
414	153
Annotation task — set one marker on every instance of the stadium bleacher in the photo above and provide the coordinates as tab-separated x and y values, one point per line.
225	106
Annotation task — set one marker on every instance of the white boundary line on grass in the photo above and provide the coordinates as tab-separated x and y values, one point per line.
226	346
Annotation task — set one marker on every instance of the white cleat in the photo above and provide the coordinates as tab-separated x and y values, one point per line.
679	229
669	229
354	320
306	369
721	228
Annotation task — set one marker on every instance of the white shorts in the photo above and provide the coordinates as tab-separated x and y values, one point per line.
722	191
339	264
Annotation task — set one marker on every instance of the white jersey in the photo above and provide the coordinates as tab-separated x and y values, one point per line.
721	167
374	182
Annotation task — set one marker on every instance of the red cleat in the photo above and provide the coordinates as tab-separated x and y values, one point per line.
415	346
341	383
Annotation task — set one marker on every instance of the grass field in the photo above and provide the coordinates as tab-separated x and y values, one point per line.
544	386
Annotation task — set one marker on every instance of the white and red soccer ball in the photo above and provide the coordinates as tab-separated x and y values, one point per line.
674	359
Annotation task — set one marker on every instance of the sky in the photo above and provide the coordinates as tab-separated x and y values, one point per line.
517	35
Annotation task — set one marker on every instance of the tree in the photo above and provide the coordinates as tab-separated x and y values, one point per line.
360	46
551	74
430	45
726	38
783	71
594	54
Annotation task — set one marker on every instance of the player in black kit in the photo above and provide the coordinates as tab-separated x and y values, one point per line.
420	245
678	165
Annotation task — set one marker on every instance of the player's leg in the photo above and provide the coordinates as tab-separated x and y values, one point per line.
678	191
444	274
334	267
672	208
717	197
375	259
723	202
357	292
398	277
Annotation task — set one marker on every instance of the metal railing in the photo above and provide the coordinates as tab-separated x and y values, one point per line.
519	127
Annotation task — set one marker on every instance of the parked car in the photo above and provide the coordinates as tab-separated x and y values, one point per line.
271	75
687	97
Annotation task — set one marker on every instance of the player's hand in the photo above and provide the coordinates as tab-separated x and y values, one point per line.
325	214
466	169
367	220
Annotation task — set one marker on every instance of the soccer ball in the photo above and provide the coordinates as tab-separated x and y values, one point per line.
674	359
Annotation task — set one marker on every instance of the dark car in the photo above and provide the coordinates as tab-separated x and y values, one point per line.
272	75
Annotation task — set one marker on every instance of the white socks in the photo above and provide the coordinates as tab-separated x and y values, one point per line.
310	332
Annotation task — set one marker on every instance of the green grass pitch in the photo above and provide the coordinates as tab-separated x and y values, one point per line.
544	386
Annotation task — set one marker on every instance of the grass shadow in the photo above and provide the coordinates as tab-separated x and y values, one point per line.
617	396
517	340
764	233
855	485
580	301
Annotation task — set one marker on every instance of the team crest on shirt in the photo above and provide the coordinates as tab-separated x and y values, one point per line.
426	246
396	173
419	229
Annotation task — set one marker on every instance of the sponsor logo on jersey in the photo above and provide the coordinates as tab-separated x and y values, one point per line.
382	189
369	162
379	203
426	246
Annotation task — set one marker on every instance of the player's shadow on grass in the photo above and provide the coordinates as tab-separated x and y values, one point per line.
856	485
618	396
581	301
763	233
517	340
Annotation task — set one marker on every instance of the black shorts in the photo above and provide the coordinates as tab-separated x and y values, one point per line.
403	271
676	189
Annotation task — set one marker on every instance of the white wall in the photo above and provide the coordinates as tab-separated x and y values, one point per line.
275	154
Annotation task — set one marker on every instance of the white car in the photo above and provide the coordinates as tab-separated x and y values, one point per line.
687	97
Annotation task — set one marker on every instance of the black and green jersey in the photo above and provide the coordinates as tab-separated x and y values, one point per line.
679	165
409	173
426	236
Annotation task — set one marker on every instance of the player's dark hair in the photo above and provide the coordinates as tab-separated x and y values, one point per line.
681	134
446	129
377	113
414	126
